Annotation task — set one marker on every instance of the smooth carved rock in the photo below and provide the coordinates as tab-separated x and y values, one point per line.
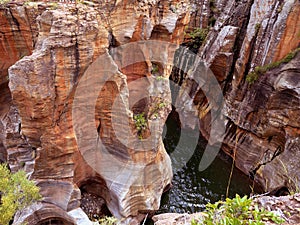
44	213
38	126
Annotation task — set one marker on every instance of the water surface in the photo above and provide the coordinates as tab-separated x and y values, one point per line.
193	189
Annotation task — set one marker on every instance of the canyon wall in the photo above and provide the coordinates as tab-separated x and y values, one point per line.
66	69
260	116
72	91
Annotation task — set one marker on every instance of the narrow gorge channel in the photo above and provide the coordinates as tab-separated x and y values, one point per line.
193	189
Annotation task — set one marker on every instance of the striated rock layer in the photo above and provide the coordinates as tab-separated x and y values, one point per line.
262	119
81	81
68	112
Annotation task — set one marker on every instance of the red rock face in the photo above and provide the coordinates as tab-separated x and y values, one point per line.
291	37
257	116
46	87
54	55
17	34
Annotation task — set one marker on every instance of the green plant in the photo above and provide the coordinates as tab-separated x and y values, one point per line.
212	6
237	211
4	2
253	76
27	3
280	8
158	105
199	33
198	36
159	78
140	123
257	27
17	192
161	105
53	5
154	68
155	115
214	10
211	21
31	4
108	220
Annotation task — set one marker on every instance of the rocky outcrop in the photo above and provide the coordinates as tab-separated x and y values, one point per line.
72	67
287	207
68	117
175	218
261	120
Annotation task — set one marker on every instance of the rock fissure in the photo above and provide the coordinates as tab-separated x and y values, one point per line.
239	42
266	158
15	21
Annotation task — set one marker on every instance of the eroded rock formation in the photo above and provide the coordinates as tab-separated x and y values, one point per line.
261	119
52	51
67	67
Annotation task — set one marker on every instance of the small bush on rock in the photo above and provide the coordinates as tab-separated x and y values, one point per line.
253	76
237	211
140	123
16	193
108	220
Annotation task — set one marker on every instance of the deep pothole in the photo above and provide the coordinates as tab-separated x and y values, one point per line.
94	206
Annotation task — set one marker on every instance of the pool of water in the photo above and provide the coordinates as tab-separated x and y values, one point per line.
192	189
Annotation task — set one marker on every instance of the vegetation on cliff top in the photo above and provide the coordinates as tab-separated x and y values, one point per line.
16	193
259	70
197	38
237	211
3	2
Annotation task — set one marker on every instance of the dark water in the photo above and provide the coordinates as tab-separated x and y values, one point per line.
191	188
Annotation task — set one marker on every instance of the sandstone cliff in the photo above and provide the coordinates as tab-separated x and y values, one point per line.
261	119
49	126
73	132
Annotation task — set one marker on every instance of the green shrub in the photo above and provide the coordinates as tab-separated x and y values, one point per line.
198	36
253	76
4	2
211	21
160	78
154	68
140	123
161	105
237	211
17	192
108	220
157	106
199	33
53	5
257	27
